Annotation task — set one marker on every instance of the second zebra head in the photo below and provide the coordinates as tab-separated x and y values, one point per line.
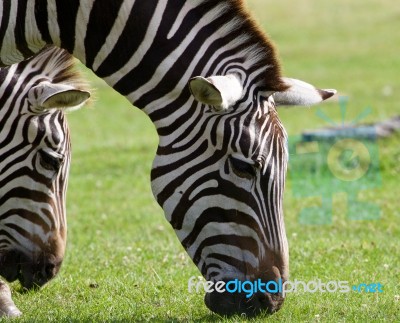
34	164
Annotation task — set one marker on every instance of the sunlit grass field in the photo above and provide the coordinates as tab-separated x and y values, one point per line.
124	262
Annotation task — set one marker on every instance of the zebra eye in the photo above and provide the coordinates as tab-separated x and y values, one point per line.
242	169
51	160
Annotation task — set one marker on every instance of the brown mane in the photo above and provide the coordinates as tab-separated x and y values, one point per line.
270	61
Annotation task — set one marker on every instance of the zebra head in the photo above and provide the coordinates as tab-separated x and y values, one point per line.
221	181
34	164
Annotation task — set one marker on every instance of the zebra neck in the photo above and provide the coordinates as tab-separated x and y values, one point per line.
153	48
148	50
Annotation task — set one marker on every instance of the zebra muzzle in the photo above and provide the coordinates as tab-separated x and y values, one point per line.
32	272
228	304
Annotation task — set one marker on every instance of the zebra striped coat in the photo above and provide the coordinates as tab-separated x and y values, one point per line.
209	80
34	162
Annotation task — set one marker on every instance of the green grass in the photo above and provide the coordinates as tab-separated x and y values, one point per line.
123	260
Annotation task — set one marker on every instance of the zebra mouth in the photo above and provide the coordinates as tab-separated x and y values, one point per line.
246	297
31	274
10	277
12	270
10	266
27	284
33	279
238	304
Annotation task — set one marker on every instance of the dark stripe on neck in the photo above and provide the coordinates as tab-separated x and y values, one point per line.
66	15
130	39
41	18
19	30
102	18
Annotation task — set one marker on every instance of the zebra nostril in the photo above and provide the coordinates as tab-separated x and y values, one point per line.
50	270
265	301
262	298
38	278
42	276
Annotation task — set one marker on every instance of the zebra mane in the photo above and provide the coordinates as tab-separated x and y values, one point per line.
262	52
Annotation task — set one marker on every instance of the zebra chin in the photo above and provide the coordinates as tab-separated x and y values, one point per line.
228	304
32	272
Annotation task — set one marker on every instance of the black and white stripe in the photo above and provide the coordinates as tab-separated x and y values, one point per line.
220	168
34	162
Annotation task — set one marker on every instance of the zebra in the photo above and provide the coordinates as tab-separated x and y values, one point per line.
210	81
34	163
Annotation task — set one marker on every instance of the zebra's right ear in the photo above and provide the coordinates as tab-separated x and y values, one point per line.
57	96
221	92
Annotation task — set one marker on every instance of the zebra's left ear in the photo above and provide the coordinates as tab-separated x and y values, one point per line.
221	92
301	93
58	96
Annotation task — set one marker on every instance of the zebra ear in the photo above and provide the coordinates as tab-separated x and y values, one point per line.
221	92
58	96
301	93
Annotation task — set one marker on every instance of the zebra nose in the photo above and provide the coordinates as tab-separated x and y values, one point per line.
35	274
241	303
